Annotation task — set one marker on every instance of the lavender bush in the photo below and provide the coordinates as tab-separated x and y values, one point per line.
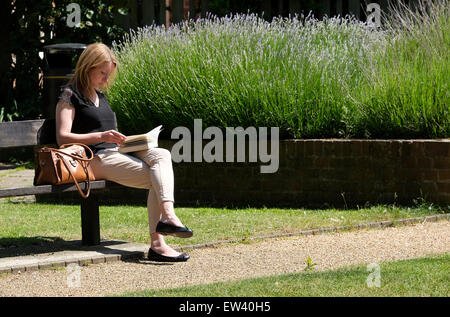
337	77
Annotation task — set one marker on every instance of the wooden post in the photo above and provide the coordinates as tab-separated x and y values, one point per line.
90	221
168	12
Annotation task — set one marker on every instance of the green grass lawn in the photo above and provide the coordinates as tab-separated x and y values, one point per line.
37	223
417	277
31	223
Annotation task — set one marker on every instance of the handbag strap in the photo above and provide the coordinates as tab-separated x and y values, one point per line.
61	155
73	156
88	190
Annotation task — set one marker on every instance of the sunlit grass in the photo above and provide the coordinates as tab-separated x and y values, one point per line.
34	223
423	277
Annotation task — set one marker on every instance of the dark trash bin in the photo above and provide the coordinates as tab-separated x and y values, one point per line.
58	67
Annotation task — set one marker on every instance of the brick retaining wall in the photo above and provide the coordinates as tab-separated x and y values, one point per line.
318	172
313	173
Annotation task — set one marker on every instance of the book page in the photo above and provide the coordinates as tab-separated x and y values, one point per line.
141	141
152	136
149	136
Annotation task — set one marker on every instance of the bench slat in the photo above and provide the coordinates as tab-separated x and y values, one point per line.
48	189
19	133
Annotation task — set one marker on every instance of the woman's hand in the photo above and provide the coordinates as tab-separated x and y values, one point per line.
112	136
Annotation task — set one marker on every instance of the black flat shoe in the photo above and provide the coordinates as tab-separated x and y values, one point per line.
153	256
171	230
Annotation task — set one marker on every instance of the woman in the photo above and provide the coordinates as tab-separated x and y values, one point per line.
83	116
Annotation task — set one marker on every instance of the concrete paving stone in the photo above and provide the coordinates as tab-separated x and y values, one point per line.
10	178
45	265
60	263
98	259
112	258
69	252
5	270
84	262
17	269
72	261
31	268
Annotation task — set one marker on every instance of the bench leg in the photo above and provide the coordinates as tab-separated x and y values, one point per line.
90	221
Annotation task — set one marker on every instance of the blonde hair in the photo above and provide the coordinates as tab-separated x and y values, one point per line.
93	56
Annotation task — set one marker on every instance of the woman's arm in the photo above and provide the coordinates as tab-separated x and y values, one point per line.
65	114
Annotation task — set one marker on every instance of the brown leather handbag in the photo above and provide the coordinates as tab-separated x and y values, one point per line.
68	164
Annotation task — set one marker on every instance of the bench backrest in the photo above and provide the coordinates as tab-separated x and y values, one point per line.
27	133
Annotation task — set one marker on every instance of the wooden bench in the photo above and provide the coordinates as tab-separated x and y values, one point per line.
42	132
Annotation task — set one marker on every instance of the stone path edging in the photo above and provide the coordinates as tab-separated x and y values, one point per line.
369	225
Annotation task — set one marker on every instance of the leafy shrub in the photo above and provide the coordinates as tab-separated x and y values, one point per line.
407	90
337	77
29	25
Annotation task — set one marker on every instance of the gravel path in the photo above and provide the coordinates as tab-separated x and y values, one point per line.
237	261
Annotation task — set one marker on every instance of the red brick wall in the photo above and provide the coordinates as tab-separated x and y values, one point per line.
324	172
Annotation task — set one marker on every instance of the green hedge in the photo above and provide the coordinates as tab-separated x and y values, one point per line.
337	77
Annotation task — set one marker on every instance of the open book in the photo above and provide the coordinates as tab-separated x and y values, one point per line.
140	142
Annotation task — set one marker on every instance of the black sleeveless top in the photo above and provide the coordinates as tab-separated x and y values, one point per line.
88	117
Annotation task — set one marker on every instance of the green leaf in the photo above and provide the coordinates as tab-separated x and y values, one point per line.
89	14
123	11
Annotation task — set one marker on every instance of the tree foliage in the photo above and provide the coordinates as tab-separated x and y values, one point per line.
32	24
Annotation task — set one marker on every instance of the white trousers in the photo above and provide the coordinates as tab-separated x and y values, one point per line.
150	169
